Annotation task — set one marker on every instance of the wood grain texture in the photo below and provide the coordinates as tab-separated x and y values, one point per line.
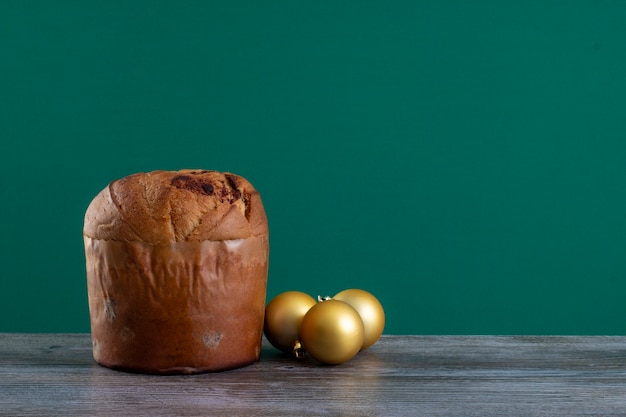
54	375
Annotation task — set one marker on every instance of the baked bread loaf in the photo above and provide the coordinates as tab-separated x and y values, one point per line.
177	272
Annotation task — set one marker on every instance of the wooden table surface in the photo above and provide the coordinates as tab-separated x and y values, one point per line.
54	375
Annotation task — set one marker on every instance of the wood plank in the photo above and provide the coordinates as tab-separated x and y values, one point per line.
54	374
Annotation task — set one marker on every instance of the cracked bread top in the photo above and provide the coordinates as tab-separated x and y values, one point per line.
174	206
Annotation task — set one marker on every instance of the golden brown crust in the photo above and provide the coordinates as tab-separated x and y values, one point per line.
174	206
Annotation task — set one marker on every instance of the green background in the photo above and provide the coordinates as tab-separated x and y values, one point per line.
463	161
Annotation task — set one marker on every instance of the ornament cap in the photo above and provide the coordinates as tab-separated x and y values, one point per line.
298	351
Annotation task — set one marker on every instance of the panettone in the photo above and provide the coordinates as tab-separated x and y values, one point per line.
177	271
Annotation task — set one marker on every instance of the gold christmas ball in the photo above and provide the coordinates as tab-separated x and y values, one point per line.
332	332
370	310
283	315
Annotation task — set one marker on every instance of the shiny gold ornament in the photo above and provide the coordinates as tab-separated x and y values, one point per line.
332	332
283	315
370	310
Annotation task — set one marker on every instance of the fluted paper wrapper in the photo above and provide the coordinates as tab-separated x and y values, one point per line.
181	307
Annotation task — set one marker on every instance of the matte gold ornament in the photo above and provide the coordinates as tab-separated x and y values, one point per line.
283	315
370	310
332	332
